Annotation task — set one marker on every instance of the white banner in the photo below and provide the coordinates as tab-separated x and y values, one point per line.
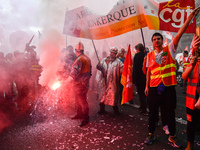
128	15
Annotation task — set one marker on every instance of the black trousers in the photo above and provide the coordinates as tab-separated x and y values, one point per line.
167	103
142	99
192	124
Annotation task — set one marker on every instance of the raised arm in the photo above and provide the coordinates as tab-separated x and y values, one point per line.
195	44
189	68
184	27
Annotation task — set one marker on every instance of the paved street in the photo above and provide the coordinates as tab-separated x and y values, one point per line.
50	128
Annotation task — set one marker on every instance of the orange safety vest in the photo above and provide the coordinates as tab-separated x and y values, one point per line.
185	62
86	64
192	88
162	73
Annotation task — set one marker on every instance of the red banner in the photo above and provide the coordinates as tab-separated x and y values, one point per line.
172	15
126	79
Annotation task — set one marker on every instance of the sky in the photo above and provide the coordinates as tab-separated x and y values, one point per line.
16	14
32	16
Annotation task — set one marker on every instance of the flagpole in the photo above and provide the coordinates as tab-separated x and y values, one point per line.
66	41
64	24
142	36
95	50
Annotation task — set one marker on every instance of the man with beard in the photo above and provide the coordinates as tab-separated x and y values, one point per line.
111	68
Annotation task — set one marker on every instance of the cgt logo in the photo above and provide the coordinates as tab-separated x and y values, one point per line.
172	15
177	16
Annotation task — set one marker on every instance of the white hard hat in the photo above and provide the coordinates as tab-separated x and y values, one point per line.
79	46
114	50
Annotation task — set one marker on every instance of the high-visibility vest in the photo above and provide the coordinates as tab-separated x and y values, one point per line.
192	88
36	68
185	62
86	64
162	73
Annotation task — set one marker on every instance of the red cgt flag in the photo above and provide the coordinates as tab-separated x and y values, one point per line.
126	79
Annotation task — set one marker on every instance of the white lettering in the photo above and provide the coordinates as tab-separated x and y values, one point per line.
177	22
175	19
188	11
162	14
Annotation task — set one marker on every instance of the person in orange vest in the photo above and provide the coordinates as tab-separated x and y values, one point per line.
161	81
164	121
192	95
80	75
184	61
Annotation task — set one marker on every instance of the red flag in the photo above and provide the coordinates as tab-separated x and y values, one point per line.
126	79
168	34
191	49
165	43
186	48
171	36
170	11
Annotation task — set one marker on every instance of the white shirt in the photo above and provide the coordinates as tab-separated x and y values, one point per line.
159	55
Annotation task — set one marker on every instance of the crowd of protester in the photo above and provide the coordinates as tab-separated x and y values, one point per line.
155	83
159	87
20	72
19	77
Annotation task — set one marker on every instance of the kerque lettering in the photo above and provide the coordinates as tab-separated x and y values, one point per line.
173	16
118	15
